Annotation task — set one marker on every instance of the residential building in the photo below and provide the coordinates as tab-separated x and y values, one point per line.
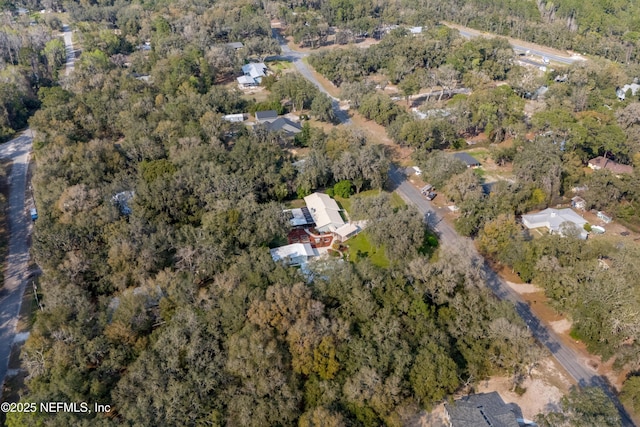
556	220
299	217
615	168
255	70
246	81
578	202
468	160
347	231
252	74
284	125
235	45
234	118
325	212
266	116
622	92
483	410
294	254
604	217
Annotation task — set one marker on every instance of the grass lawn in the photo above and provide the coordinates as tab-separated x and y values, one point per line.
360	248
279	65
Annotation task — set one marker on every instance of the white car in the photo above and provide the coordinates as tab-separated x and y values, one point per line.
418	170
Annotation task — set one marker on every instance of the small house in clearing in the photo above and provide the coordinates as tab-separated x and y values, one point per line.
468	160
556	221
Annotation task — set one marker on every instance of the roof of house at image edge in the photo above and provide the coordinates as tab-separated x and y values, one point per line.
553	220
468	159
325	211
292	251
601	162
485	409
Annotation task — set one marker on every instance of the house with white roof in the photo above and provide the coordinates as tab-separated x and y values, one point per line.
325	212
556	221
294	254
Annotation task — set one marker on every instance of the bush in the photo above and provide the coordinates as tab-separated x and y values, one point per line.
343	189
587	227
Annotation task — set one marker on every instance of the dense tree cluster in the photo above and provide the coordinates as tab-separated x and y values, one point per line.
155	221
30	56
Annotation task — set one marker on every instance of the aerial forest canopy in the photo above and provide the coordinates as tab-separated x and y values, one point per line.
156	215
155	221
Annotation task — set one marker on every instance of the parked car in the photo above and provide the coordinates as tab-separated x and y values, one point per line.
34	214
432	195
418	170
426	189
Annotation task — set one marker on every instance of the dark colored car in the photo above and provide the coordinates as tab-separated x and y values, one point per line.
432	195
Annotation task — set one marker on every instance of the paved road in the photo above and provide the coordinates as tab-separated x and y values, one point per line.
296	58
68	45
16	272
522	46
448	237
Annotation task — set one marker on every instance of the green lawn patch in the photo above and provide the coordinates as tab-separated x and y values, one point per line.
396	201
279	65
361	248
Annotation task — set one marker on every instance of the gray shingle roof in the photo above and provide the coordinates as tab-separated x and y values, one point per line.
480	410
469	160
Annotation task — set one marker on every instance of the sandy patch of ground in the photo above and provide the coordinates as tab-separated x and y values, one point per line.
562	326
544	389
524	288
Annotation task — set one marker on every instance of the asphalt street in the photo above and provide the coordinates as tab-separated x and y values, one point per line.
532	51
448	237
17	264
16	273
296	59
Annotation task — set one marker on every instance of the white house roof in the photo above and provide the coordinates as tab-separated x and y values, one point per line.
325	210
553	219
254	69
246	80
346	230
292	251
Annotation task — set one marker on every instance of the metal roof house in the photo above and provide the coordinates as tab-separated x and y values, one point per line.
470	161
482	410
325	212
294	254
556	220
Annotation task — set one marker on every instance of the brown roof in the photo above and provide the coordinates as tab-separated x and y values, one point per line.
602	162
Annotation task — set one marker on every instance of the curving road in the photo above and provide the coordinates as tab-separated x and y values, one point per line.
17	264
295	58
